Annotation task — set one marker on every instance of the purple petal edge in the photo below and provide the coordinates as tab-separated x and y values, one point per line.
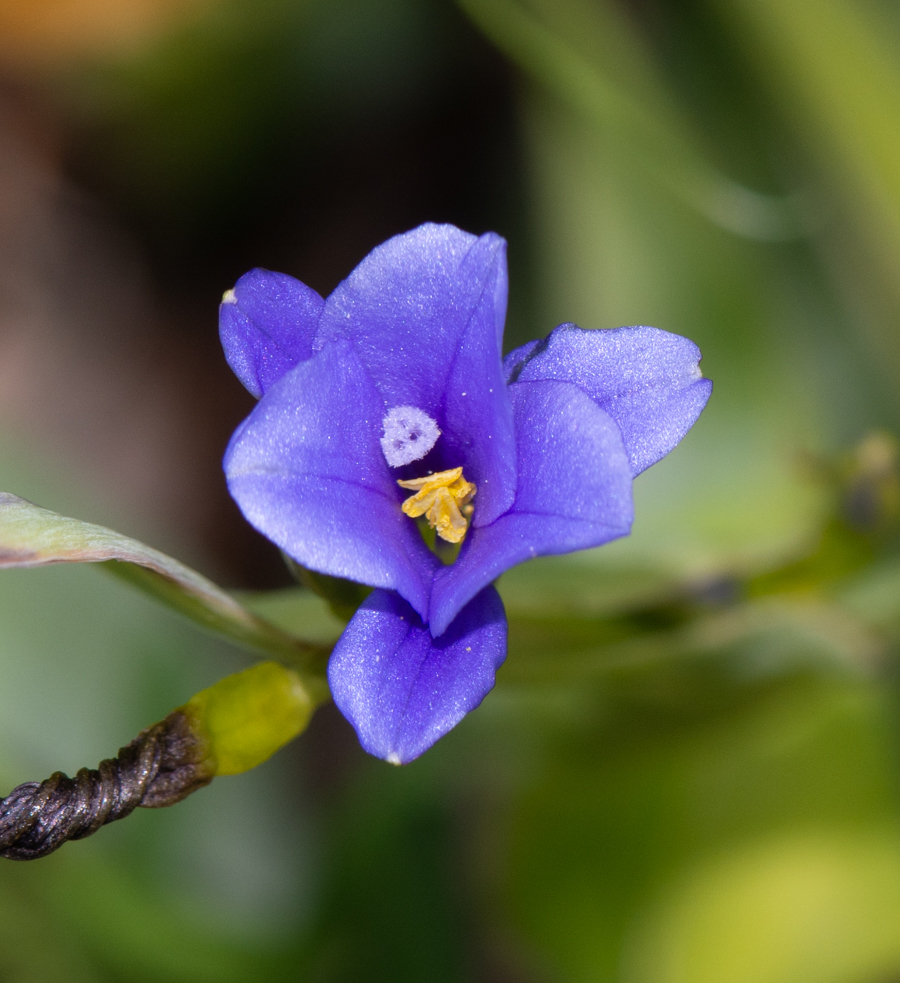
646	379
266	324
400	688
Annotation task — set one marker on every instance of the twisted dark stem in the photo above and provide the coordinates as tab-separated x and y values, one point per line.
161	766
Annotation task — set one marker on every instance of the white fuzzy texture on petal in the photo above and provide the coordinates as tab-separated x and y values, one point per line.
409	434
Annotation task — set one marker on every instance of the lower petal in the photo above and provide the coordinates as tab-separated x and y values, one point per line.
400	688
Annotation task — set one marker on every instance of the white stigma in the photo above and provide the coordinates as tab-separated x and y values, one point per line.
409	434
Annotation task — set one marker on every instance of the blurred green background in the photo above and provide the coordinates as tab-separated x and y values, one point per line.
689	769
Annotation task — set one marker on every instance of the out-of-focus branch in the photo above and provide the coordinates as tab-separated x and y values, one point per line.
161	766
229	728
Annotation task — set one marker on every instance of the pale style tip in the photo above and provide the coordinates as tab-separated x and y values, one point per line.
409	434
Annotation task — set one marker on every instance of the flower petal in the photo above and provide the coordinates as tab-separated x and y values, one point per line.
267	323
425	313
400	688
307	470
513	362
648	380
574	492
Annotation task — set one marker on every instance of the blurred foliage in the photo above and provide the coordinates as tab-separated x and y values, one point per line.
688	770
234	123
39	33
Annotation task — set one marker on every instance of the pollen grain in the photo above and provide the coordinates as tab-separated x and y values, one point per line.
443	499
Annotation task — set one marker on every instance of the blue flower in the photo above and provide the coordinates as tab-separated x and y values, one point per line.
388	406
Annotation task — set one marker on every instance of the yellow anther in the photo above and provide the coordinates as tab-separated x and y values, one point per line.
443	499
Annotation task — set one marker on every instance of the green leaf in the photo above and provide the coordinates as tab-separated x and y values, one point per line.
343	596
296	610
31	537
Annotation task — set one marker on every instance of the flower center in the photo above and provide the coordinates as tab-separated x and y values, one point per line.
409	434
443	499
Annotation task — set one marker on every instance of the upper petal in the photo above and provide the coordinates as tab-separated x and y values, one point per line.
425	313
648	380
574	492
306	469
400	688
267	323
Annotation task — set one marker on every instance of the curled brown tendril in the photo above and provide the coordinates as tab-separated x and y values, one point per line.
161	766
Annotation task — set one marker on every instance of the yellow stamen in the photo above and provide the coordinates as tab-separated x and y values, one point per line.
443	499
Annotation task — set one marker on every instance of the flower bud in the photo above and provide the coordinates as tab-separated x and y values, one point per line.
247	717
